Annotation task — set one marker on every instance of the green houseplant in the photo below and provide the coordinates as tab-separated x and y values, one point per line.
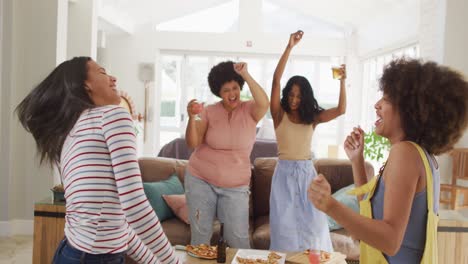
375	146
59	193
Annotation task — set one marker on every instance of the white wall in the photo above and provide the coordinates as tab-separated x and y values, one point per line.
456	43
399	27
5	58
30	53
124	53
82	28
443	38
432	29
455	56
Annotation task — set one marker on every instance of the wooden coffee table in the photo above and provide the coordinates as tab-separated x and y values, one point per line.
230	253
185	258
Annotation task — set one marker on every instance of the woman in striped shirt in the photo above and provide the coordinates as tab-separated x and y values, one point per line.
77	124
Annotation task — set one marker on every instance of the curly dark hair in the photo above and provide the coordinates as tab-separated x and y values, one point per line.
221	74
432	101
308	108
52	108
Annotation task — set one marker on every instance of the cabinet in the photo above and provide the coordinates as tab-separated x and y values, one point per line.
49	222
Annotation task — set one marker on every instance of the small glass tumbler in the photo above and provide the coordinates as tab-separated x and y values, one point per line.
314	251
336	73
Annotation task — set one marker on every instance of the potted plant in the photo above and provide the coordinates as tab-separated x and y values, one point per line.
375	147
59	193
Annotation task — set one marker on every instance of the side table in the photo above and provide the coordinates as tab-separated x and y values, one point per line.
49	222
452	236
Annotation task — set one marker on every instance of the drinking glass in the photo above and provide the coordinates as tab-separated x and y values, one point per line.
314	251
336	73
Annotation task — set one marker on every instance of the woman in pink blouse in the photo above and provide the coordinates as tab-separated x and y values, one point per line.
218	174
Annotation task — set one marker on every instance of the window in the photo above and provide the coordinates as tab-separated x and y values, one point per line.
372	71
184	77
170	95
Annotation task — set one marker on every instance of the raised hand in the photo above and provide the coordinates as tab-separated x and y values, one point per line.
294	38
343	71
319	193
354	144
240	68
193	108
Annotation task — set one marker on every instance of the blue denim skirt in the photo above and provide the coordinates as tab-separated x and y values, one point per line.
295	223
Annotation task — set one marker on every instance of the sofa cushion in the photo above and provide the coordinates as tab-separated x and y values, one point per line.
178	149
176	231
348	200
155	190
181	165
339	172
261	185
178	205
156	169
261	234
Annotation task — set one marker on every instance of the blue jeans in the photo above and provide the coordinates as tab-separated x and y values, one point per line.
66	254
230	205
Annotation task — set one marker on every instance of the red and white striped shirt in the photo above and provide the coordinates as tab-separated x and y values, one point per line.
106	209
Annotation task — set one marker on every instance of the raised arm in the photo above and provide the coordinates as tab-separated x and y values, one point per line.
196	129
401	175
332	113
119	134
260	98
275	103
354	148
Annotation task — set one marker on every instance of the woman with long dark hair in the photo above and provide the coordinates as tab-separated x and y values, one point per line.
295	224
74	117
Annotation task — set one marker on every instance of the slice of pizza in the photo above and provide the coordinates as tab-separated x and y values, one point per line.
202	251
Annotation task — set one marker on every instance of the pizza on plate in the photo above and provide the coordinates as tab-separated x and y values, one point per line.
324	255
202	251
272	259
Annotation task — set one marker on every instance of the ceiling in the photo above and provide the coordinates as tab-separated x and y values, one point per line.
127	15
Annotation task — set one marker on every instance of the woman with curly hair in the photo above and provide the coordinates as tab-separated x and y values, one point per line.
77	123
295	224
218	173
423	112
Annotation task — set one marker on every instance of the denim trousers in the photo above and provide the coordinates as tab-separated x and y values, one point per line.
66	254
230	205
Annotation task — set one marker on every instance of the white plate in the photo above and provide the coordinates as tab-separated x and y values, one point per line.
255	254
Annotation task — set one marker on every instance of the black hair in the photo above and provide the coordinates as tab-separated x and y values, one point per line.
308	108
52	108
221	74
432	101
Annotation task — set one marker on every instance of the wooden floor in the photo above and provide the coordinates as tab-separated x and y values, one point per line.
16	250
